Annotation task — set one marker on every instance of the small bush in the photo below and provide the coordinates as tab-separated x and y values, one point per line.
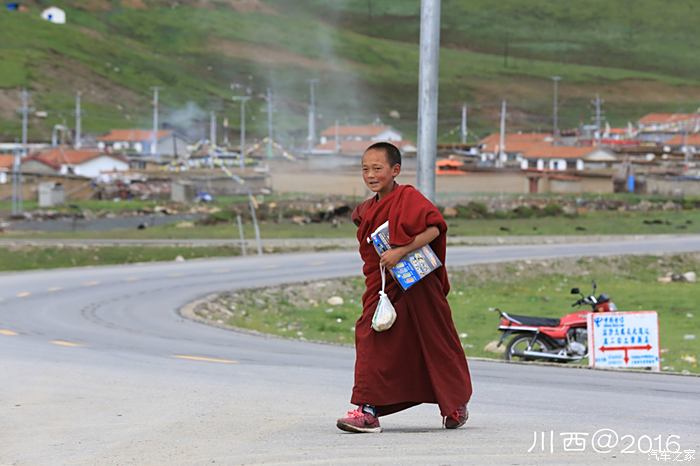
473	210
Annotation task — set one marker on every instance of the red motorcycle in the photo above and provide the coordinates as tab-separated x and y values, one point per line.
547	339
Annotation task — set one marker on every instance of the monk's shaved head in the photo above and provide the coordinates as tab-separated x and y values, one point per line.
393	155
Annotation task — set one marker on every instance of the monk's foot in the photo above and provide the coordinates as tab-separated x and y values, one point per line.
457	419
359	422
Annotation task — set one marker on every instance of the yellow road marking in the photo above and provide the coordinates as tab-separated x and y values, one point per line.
8	333
205	359
69	344
91	283
23	294
54	288
131	279
271	266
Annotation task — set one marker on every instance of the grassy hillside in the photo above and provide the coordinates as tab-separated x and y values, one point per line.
638	55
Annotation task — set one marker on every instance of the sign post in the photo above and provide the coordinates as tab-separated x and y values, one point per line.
624	340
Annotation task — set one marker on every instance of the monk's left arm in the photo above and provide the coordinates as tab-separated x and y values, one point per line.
391	257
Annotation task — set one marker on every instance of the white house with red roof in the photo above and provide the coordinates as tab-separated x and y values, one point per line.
551	157
660	127
6	165
89	163
685	142
353	140
538	151
140	141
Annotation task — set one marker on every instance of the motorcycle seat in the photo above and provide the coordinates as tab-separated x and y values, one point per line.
535	321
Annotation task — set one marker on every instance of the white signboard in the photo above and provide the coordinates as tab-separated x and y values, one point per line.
624	339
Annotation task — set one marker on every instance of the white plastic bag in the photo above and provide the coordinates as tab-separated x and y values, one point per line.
385	314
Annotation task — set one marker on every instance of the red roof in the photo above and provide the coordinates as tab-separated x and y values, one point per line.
354	147
667	118
7	161
132	135
680	140
515	142
617	131
367	131
58	156
548	151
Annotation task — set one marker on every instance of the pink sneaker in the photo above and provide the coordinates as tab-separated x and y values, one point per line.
456	419
358	422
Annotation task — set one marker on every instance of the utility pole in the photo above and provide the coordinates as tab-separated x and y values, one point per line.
463	128
78	143
154	136
224	124
18	155
598	117
555	112
428	95
502	138
312	114
17	183
337	138
269	123
212	131
25	120
242	100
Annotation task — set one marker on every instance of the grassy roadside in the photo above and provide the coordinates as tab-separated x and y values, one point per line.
537	288
591	223
32	258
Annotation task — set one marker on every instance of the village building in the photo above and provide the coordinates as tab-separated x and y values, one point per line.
353	140
139	142
538	151
514	143
660	127
560	158
685	142
6	165
89	163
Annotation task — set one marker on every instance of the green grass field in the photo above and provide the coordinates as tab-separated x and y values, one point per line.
592	223
33	258
641	58
539	288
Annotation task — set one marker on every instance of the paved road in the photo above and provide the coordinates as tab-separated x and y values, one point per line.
98	367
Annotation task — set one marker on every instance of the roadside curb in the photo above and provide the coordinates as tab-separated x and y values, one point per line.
188	312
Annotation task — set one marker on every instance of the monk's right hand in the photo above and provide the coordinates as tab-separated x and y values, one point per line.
391	257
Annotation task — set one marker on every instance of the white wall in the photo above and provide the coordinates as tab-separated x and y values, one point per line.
557	164
93	168
388	135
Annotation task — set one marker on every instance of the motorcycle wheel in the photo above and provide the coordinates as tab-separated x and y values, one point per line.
519	343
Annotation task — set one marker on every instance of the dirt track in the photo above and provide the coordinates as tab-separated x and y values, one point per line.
341	175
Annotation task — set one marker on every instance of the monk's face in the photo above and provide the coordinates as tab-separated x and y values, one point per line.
377	173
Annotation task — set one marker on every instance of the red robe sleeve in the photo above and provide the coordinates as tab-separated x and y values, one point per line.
412	214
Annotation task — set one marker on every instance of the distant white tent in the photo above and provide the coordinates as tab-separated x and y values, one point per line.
54	15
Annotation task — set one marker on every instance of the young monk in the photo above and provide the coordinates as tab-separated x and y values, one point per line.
420	358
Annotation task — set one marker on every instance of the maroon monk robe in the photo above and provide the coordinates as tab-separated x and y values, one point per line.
420	358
